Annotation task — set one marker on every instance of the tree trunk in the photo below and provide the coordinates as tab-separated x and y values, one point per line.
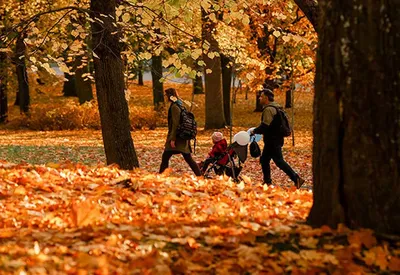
356	159
140	74
226	87
83	88
113	108
156	76
3	86
76	86
198	82
215	118
3	72
311	10
69	87
22	75
288	100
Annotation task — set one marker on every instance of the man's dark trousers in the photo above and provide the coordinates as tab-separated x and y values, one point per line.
274	152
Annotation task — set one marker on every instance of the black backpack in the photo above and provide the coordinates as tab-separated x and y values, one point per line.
187	128
284	127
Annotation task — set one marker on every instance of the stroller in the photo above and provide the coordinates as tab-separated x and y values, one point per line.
229	163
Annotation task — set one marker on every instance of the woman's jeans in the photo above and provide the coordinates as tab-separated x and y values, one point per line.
188	158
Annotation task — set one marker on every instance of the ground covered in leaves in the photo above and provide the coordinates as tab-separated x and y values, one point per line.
57	215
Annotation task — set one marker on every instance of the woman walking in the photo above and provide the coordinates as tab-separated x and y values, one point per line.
174	144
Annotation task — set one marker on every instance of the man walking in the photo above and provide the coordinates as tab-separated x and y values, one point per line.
273	140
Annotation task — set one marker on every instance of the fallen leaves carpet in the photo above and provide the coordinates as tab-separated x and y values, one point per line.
68	218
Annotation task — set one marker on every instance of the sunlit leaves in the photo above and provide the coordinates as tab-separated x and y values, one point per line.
90	219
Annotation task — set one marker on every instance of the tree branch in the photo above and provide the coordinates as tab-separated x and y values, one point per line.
49	30
311	9
161	18
26	23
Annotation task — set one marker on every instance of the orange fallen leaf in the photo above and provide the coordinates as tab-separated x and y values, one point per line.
362	237
394	264
20	190
84	213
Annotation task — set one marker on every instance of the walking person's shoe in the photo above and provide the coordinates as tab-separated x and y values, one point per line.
299	182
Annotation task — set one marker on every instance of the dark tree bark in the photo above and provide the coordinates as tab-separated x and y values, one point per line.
3	88
356	159
3	75
215	118
140	74
113	108
226	87
288	100
69	87
76	86
22	75
311	10
156	76
83	87
198	82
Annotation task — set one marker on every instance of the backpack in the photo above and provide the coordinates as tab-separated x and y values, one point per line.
187	128
284	127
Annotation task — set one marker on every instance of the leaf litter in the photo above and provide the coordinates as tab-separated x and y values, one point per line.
73	218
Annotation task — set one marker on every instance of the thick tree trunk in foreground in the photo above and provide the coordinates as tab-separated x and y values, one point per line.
113	108
215	118
156	76
356	159
22	75
311	10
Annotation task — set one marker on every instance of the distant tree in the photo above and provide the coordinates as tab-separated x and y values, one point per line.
23	96
198	80
109	78
356	154
3	73
226	86
156	76
140	74
79	64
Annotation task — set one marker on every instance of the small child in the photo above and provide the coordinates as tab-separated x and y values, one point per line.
218	149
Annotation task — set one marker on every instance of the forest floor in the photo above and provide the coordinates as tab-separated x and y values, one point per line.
63	211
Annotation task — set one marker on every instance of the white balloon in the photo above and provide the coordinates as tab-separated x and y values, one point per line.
242	138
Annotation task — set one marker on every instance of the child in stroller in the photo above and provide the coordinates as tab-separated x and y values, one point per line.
217	151
225	162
